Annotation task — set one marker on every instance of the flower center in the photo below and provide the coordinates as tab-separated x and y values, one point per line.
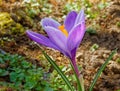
62	28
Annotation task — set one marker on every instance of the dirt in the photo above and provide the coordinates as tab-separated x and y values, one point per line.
107	37
109	23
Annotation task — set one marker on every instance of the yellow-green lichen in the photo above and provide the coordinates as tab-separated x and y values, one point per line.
8	25
5	20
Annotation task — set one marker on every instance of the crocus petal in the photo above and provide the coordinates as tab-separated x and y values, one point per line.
49	22
40	39
80	17
57	37
70	20
75	37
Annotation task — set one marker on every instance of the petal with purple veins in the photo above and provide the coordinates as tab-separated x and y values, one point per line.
80	17
57	37
75	37
49	22
70	20
40	39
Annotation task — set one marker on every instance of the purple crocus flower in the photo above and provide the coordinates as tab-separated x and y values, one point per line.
65	38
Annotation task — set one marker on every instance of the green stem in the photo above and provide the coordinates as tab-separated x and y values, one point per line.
73	62
76	72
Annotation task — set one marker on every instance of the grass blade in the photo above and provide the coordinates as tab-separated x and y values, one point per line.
101	69
59	71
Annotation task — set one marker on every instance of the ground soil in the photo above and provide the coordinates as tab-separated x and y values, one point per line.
107	37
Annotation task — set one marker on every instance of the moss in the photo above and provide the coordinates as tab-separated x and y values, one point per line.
8	25
5	20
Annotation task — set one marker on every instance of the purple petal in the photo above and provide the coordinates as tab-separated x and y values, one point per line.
49	22
75	37
40	39
80	17
70	20
57	37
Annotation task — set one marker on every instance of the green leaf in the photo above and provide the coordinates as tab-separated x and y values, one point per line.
21	76
13	76
1	61
94	47
48	89
59	71
30	82
25	64
101	69
91	31
3	72
38	88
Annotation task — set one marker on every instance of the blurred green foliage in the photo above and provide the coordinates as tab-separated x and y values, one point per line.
21	74
91	31
35	7
72	6
94	47
91	10
44	63
57	83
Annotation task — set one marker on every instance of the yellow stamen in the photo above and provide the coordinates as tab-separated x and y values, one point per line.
62	28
